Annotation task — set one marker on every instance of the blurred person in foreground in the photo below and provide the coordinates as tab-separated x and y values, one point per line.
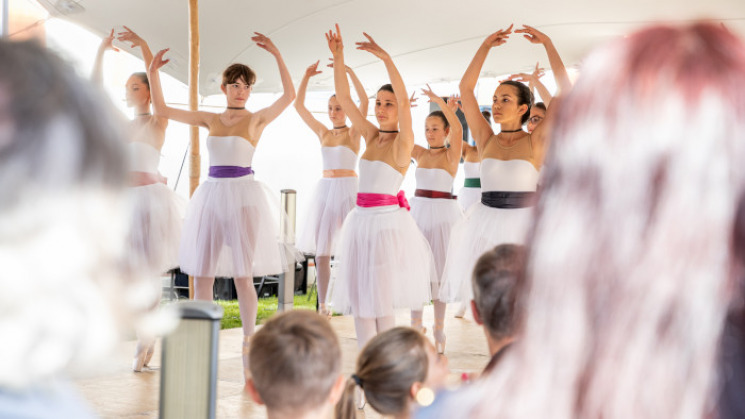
495	281
65	294
630	266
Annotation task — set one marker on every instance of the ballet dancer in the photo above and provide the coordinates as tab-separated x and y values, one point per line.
232	222
336	192
384	262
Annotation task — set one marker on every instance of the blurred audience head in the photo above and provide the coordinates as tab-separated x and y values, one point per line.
295	364
630	265
62	219
397	370
494	283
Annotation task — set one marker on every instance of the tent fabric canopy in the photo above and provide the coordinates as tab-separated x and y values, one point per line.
431	41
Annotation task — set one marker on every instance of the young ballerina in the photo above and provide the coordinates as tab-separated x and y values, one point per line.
335	194
384	261
433	207
510	164
296	366
538	110
397	370
232	222
155	229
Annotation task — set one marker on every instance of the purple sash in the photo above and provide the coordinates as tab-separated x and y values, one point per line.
229	171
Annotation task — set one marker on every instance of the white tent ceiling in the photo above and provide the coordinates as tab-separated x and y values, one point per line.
431	41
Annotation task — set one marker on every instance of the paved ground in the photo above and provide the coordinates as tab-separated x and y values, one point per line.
121	393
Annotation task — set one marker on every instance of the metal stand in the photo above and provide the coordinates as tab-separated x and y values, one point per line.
286	294
188	376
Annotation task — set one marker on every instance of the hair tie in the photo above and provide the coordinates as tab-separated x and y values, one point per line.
357	380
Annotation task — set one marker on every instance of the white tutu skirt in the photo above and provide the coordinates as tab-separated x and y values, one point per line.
483	229
382	263
435	218
468	197
333	199
155	227
232	230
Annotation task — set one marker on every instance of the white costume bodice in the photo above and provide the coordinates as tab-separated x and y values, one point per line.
472	169
434	179
379	177
339	157
143	157
230	151
508	175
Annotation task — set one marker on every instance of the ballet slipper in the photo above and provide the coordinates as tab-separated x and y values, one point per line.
140	354
324	311
149	355
416	323
461	311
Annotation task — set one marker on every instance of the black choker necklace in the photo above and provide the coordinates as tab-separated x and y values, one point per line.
508	132
387	132
341	127
437	148
235	107
143	114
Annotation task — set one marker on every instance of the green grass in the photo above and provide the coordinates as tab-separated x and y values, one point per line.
267	308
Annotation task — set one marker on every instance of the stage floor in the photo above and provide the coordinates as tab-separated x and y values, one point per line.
121	393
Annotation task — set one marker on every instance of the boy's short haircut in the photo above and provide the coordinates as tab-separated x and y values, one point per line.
494	284
295	360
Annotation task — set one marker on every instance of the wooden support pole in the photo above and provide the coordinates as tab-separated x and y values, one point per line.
194	160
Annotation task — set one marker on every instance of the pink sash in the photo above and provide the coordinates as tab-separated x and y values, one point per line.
145	178
367	200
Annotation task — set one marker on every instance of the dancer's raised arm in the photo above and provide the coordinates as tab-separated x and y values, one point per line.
406	132
540	133
97	72
130	36
358	88
341	85
197	118
304	113
480	129
455	135
534	83
271	112
557	65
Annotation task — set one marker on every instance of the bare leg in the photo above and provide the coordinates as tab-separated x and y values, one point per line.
323	273
203	288
385	323
366	329
145	341
416	321
439	330
249	305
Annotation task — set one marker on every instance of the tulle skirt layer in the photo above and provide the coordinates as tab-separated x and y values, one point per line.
468	197
435	219
232	229
383	262
333	199
155	228
483	229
